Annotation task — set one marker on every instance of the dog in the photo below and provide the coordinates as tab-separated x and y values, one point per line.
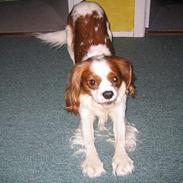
98	85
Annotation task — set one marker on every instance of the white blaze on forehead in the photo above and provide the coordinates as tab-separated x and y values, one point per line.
85	8
100	68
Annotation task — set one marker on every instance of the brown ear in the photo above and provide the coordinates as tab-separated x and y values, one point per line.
127	73
73	88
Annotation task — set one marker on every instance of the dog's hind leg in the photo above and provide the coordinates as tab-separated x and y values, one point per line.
70	48
130	136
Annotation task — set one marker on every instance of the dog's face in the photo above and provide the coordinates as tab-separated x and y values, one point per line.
102	81
101	78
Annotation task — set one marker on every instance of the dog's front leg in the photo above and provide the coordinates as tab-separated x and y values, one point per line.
92	165
122	164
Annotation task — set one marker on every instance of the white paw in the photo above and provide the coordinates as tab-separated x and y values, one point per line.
122	165
92	167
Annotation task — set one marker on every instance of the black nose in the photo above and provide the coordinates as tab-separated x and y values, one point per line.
108	94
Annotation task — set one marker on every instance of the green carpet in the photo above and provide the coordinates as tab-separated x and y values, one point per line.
35	129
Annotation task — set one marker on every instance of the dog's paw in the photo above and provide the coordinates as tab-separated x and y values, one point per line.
92	167
122	165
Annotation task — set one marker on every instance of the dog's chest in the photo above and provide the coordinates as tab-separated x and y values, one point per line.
87	103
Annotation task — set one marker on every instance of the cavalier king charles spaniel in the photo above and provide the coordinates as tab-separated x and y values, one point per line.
98	86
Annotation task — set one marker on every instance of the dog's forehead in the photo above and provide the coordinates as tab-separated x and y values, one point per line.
101	68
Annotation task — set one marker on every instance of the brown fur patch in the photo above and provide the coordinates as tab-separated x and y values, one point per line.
73	89
89	30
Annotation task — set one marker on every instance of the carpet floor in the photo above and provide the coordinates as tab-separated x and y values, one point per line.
35	128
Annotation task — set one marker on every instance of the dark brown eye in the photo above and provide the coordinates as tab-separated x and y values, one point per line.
114	79
92	82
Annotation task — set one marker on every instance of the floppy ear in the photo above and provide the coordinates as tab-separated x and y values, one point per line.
127	73
73	88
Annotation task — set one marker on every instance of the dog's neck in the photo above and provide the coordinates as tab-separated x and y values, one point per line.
97	51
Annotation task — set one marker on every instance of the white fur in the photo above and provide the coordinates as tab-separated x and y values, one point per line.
97	50
85	8
96	28
54	38
109	31
70	43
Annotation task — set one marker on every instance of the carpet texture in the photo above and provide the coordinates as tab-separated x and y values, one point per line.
35	128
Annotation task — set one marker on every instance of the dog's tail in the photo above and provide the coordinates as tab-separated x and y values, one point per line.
55	39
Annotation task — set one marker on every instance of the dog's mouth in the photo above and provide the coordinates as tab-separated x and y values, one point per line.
107	103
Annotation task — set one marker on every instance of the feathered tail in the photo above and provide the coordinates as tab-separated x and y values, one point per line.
54	38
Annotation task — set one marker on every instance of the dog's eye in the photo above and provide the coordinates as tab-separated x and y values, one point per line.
92	82
114	79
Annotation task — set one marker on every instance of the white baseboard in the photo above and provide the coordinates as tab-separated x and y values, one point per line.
122	34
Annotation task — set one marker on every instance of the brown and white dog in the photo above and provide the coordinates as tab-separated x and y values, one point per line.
98	86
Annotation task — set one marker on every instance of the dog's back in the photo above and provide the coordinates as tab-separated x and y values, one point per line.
91	33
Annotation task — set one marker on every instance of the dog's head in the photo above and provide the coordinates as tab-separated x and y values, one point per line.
100	78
